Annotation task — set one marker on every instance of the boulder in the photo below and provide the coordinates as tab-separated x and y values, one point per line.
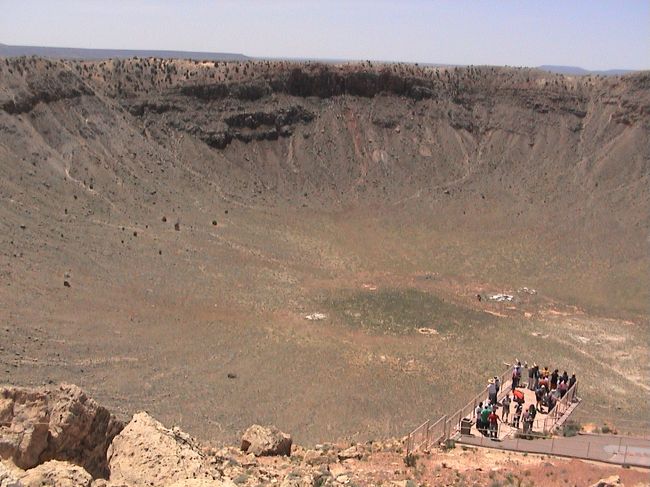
9	477
60	423
203	483
315	457
56	473
613	481
262	441
354	452
146	453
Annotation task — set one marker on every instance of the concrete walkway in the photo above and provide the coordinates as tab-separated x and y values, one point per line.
621	450
507	430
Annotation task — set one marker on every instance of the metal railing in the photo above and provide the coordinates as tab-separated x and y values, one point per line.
557	416
425	435
453	422
431	433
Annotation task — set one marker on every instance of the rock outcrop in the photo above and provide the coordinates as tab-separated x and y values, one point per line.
146	453
262	441
58	474
37	425
8	478
611	481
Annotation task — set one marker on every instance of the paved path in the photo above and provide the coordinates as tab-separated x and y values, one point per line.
622	450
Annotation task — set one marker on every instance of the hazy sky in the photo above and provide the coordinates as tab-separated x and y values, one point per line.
595	34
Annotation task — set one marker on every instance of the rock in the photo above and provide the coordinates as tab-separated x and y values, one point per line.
350	453
263	441
62	423
56	473
146	453
8	477
313	457
297	480
613	481
202	483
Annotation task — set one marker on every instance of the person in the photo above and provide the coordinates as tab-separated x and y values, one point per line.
528	420
551	399
554	379
497	384
532	410
517	415
563	387
545	373
565	377
530	378
484	418
572	380
505	403
492	392
518	396
543	382
516	374
525	418
539	397
477	413
532	384
493	419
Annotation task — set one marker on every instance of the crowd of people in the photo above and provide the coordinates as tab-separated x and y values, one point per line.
549	388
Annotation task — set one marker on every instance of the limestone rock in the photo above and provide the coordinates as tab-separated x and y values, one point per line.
56	473
147	454
9	477
297	481
612	481
350	453
315	457
62	423
263	441
203	483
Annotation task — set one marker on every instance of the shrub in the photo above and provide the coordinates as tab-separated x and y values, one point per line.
411	460
571	428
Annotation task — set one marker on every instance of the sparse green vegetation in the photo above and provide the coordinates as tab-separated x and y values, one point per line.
400	311
571	428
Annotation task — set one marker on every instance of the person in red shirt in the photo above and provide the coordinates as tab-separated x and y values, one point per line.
493	420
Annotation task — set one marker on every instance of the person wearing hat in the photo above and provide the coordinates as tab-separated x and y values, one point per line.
492	391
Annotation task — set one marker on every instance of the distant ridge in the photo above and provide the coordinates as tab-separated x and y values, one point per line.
93	54
576	71
82	53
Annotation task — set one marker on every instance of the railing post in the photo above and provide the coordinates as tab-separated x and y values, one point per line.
588	448
426	436
552	443
625	456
